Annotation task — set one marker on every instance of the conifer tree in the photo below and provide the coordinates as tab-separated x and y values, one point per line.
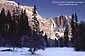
36	23
76	19
81	46
46	40
3	20
17	32
24	28
72	29
76	39
7	28
9	18
13	30
66	38
24	23
2	17
36	38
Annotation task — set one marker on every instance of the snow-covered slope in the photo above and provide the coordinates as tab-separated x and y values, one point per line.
47	52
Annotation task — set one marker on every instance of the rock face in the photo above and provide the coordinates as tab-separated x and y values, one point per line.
55	27
61	23
15	7
3	0
50	26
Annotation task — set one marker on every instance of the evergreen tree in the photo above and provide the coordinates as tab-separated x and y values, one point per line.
2	21
2	17
4	25
36	23
24	28
17	32
7	28
81	45
27	28
36	38
72	29
46	40
66	38
24	24
76	33
72	25
13	30
56	42
9	18
76	19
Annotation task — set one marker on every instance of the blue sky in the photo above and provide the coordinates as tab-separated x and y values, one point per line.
47	8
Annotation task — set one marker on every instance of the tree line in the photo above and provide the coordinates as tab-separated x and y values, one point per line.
77	35
13	27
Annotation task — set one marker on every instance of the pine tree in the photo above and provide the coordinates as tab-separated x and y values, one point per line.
2	17
7	28
13	30
21	24
72	29
24	28
76	39
66	38
24	23
36	23
76	19
3	20
56	42
36	38
81	43
46	40
9	18
74	26
4	25
17	32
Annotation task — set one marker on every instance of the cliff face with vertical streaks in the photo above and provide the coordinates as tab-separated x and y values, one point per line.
50	26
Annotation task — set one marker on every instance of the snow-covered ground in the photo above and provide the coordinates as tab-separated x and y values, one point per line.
47	52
